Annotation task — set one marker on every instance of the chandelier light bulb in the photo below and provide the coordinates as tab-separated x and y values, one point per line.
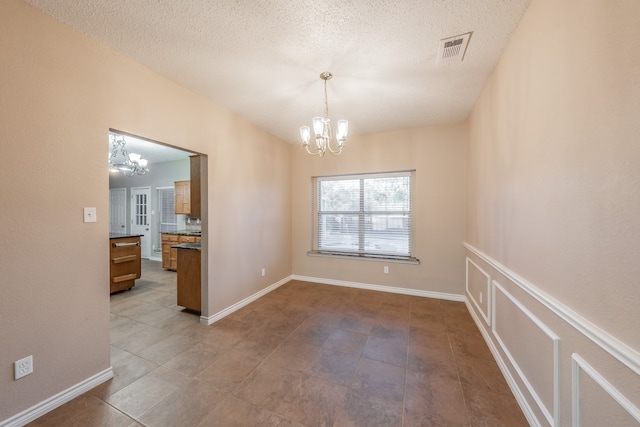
305	134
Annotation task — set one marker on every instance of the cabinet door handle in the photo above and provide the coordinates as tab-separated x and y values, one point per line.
118	245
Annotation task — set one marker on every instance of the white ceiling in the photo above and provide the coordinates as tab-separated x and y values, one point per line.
262	58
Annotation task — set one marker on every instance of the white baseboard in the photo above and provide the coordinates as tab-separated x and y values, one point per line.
59	399
405	291
381	288
237	306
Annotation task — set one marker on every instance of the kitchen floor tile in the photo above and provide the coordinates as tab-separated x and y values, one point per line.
195	360
143	394
228	370
187	406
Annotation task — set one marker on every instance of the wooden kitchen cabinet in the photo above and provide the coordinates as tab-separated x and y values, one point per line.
169	258
169	254
187	193
189	291
195	208
125	265
182	197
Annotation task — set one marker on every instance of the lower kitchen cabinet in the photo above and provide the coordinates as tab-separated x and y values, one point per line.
169	254
125	265
189	291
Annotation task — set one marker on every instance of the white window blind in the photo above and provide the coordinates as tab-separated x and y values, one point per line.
168	220
365	215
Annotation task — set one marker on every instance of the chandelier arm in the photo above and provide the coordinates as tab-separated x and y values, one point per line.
317	153
335	152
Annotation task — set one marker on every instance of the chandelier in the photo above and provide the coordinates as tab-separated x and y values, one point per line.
128	164
322	130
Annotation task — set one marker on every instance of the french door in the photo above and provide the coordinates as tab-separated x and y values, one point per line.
140	198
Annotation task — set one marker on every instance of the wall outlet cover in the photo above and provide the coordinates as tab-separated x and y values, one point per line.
89	214
23	367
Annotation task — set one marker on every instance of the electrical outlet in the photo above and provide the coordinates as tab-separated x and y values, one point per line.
480	297
386	269
23	367
264	272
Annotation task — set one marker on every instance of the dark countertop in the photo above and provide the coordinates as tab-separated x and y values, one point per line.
183	233
192	246
123	235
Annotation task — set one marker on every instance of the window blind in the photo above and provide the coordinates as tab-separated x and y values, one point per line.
168	220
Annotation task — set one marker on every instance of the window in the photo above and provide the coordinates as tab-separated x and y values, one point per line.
166	207
364	215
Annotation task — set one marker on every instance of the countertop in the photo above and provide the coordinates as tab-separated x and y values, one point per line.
183	233
123	235
192	246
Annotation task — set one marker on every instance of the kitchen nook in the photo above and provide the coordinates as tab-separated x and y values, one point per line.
155	212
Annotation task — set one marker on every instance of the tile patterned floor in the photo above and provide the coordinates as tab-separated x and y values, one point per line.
303	355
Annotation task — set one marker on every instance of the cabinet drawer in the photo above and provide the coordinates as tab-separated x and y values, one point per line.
188	239
169	238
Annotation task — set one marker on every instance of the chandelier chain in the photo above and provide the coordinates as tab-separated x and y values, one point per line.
326	100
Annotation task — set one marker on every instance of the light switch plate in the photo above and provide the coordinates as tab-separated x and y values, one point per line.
89	214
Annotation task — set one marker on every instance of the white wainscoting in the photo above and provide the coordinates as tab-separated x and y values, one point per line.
609	343
471	295
551	414
582	333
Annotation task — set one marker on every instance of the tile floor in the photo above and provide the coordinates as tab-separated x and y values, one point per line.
303	355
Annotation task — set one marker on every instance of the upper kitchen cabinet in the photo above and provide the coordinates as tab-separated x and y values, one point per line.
187	193
182	197
195	186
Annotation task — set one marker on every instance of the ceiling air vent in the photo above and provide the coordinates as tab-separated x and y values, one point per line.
452	49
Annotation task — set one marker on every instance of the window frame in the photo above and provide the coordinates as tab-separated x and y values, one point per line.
361	253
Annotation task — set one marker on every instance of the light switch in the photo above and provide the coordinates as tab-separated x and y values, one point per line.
89	214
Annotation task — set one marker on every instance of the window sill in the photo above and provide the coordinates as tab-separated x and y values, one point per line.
365	257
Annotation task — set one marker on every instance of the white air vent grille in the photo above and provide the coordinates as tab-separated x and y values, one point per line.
453	49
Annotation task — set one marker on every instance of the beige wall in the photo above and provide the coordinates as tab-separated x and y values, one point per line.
554	199
438	154
60	93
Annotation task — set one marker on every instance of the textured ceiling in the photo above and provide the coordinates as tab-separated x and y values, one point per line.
262	58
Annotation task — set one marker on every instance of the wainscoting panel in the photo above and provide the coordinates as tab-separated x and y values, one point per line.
536	360
595	402
478	288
